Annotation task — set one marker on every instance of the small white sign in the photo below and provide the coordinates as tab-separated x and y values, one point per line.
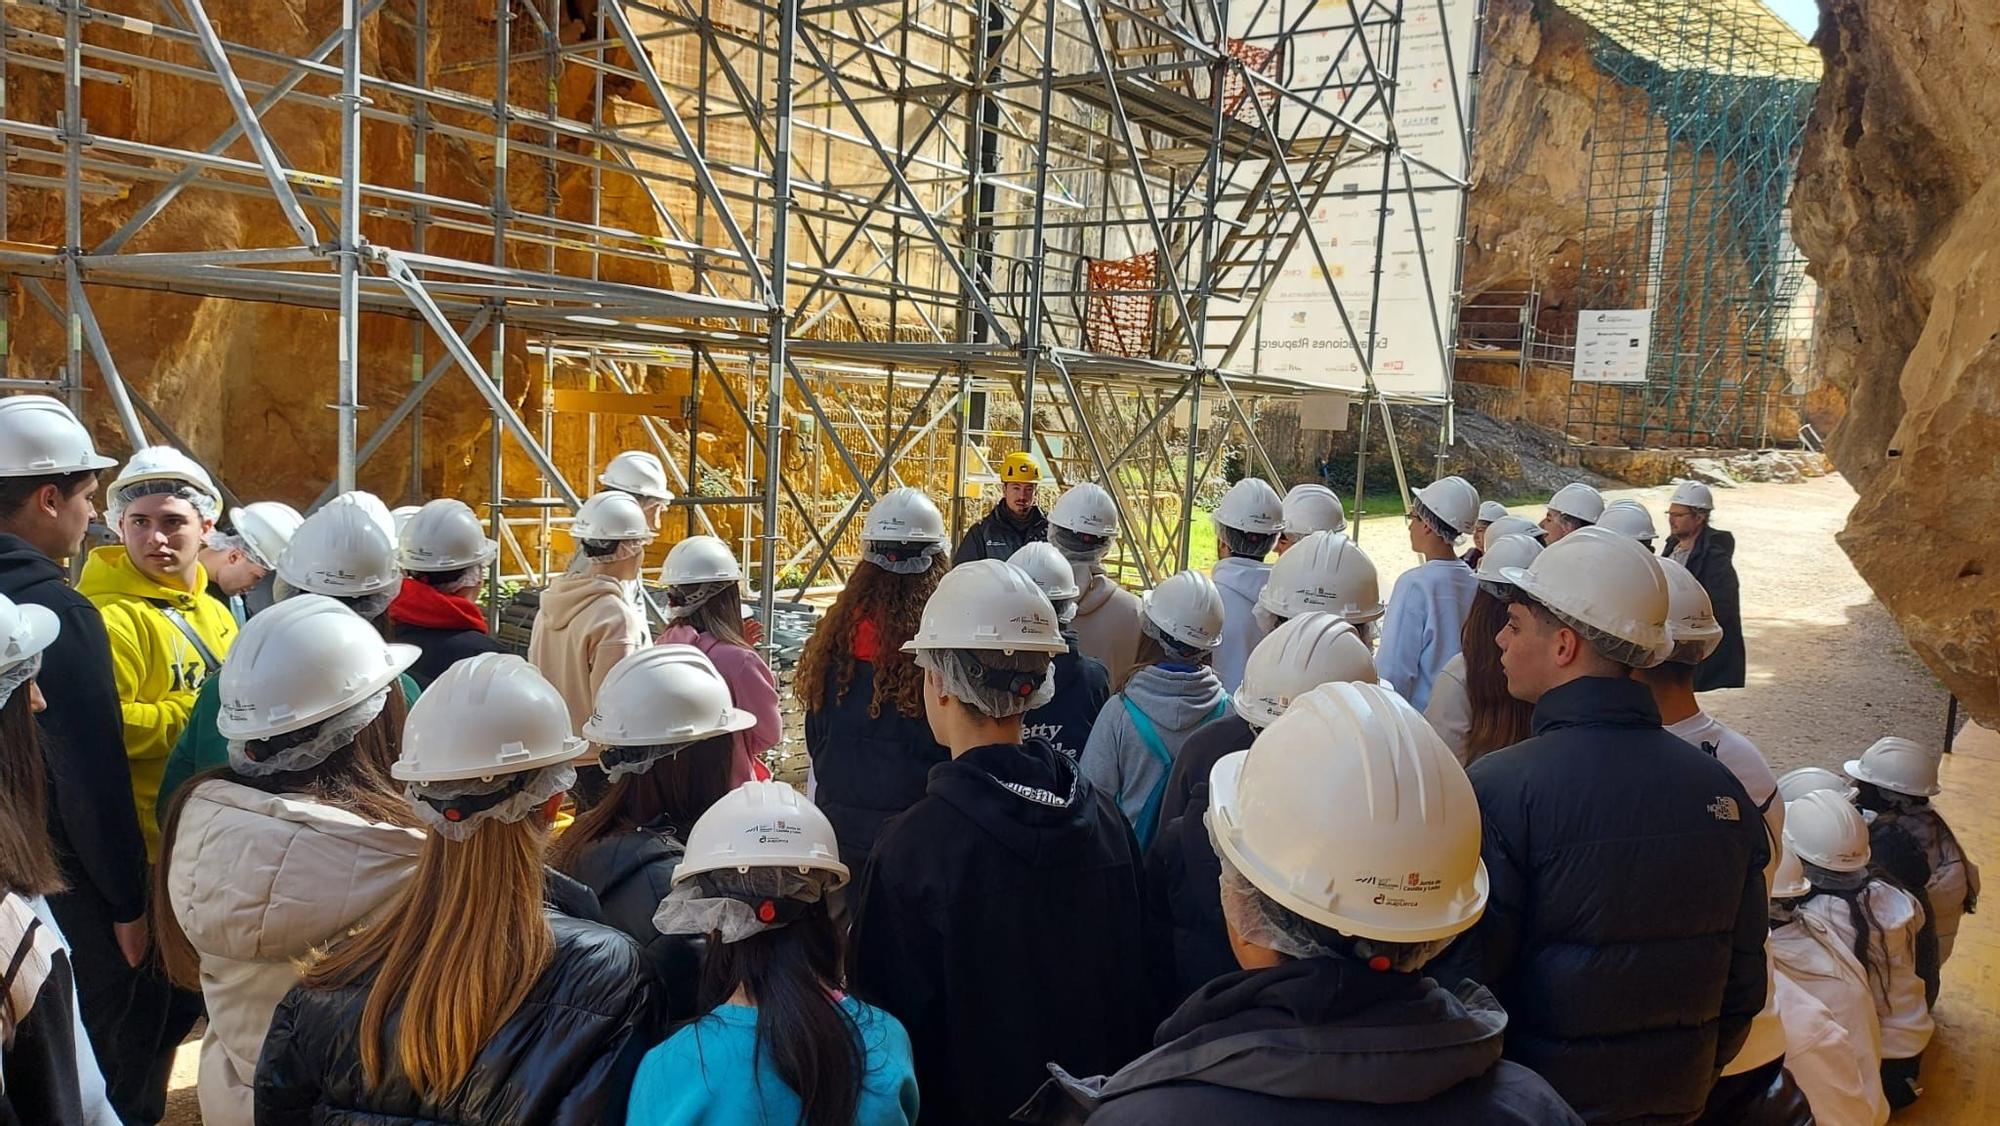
1612	344
1323	412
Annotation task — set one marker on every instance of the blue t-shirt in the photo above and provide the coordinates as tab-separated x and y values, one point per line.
703	1075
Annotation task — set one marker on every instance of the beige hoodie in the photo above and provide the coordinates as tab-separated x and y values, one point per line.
256	881
587	623
1107	624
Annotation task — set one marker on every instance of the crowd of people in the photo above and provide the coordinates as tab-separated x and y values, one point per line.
1256	846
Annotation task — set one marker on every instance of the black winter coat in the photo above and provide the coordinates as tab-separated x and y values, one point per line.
92	821
567	1055
1318	1042
868	769
1713	563
1000	922
1626	923
1083	685
998	535
1183	876
631	873
442	648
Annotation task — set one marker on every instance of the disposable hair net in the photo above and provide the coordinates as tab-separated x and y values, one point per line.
612	551
454	579
1266	620
734	904
367	607
1690	653
1077	547
455	808
1065	610
1434	522
901	558
13	677
218	540
1236	541
1615	649
1260	921
994	692
1175	650
683	601
617	762
307	747
202	502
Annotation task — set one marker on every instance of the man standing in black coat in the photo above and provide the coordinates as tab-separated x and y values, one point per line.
48	483
1626	929
1710	554
999	918
1015	522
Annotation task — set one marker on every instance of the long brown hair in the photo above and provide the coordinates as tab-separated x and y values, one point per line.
721	617
1498	719
27	858
455	956
356	780
895	605
677	789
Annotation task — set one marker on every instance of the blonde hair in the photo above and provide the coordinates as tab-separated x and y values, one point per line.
456	955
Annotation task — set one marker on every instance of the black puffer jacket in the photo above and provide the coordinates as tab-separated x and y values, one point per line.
1713	564
1626	923
1318	1042
1000	922
998	535
868	768
1083	685
442	648
566	1056
631	873
1183	877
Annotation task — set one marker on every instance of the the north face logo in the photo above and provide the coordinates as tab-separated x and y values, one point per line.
1724	809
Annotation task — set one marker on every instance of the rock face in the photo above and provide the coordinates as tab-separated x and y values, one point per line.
1896	207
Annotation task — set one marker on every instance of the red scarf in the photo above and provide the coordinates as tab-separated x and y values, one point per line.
426	607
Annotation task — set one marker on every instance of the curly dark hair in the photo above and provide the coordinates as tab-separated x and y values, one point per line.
894	604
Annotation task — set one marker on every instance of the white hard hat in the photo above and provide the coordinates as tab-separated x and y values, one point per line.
485	716
700	559
1351	812
1324	571
25	630
761	825
1312	649
1827	831
1047	568
1506	551
904	515
1252	505
1086	509
1897	764
988	604
266	527
1628	518
445	535
303	660
164	463
639	473
39	437
1690	615
1187	608
344	550
1491	510
611	516
1454	501
1789	881
1511	525
1795	784
1313	508
1578	500
1603	581
663	694
401	516
1693	494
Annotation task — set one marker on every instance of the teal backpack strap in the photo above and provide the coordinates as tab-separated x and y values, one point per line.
1149	737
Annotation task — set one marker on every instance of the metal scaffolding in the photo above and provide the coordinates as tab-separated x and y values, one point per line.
1686	216
881	240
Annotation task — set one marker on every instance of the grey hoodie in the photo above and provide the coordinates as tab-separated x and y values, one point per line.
1179	700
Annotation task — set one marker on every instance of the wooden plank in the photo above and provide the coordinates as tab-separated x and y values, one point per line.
616	402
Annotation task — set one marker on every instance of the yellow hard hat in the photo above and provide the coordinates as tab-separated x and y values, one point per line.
1020	466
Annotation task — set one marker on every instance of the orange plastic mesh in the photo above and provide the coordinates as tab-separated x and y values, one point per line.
1235	88
1119	323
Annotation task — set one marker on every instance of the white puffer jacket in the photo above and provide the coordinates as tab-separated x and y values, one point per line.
256	881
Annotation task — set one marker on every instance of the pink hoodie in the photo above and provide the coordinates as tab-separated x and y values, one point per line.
751	687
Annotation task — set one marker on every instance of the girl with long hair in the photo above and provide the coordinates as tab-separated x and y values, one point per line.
705	598
301	836
778	1042
48	1072
1470	707
466	999
663	726
871	750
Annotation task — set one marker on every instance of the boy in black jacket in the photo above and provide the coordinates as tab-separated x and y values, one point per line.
999	918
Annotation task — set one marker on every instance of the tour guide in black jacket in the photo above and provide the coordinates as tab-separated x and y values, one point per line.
1626	926
1014	523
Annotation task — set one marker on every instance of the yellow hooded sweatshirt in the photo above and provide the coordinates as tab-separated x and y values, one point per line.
157	668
